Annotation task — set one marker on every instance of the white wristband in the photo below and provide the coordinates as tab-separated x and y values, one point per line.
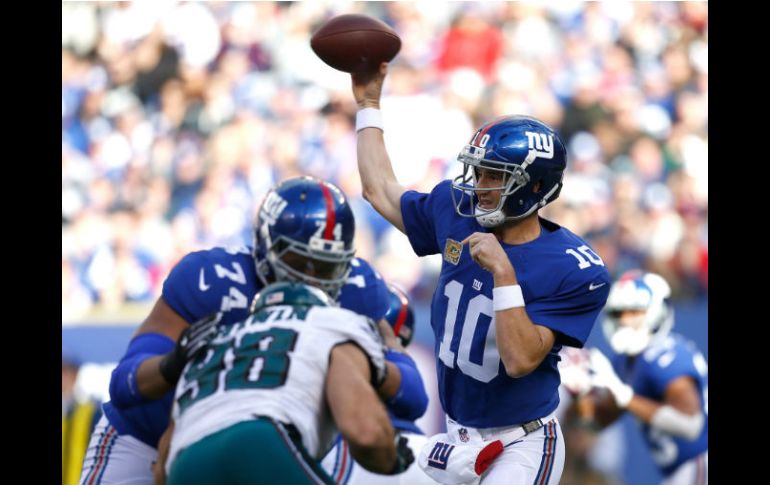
505	297
368	118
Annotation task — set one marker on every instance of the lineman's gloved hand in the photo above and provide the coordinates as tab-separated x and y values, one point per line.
404	455
193	339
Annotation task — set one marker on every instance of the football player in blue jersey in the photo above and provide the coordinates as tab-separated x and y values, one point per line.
513	288
304	232
339	463
658	376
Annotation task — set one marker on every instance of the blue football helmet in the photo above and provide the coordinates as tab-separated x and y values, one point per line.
530	156
290	293
647	296
400	315
304	232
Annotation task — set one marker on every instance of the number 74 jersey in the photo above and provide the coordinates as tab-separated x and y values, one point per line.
564	284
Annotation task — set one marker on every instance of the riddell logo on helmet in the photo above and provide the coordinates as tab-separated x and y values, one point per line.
540	143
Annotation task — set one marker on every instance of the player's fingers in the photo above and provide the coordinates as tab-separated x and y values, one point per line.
360	78
468	239
363	78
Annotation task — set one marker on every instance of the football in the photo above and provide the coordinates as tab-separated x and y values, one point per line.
355	43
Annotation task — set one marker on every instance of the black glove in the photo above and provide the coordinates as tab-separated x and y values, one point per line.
193	339
404	455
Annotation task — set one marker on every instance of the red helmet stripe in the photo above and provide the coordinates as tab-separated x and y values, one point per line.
631	275
483	131
330	215
401	315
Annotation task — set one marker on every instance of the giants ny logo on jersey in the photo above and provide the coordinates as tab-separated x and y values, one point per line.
439	456
540	143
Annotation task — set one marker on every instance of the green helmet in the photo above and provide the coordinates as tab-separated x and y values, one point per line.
290	293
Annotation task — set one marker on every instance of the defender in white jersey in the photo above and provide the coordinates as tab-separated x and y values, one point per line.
265	401
338	463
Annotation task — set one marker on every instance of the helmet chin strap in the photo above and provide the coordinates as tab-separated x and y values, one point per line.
489	219
630	341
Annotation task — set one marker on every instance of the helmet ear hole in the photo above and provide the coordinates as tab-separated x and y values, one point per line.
536	187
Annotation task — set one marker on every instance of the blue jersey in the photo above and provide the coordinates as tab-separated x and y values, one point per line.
564	283
649	375
214	280
365	291
220	279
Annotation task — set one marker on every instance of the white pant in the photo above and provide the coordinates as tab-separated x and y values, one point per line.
339	464
112	459
536	458
694	471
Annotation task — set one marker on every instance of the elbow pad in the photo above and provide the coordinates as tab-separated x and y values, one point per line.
674	422
411	400
124	390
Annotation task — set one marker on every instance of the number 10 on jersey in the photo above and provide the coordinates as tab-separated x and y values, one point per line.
485	344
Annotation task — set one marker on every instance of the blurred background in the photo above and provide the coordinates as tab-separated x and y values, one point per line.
178	116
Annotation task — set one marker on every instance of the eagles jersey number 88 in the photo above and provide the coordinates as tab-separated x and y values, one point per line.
273	364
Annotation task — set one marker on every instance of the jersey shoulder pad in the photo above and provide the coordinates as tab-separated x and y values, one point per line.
197	283
673	347
184	275
365	292
346	326
360	266
577	263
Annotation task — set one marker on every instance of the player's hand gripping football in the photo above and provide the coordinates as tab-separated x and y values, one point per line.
367	87
488	253
193	339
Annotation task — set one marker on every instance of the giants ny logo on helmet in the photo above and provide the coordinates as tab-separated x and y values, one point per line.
525	154
273	207
540	143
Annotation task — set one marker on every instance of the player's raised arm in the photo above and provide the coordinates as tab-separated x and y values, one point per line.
379	183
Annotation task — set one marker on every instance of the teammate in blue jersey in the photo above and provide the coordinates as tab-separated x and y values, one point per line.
513	289
658	376
339	463
223	281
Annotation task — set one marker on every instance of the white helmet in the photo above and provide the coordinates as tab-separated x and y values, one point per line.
637	290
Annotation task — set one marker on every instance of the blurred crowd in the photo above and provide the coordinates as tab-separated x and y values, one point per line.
178	116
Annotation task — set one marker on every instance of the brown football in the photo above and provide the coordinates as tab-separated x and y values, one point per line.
355	43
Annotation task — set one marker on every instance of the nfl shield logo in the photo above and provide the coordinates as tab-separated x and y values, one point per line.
452	251
463	435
